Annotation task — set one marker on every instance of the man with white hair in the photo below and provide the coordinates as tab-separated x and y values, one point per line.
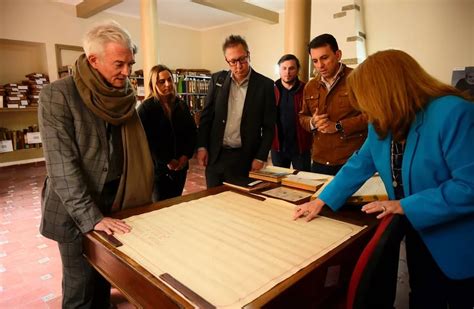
94	144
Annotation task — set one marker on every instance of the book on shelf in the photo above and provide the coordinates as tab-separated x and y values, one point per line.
247	184
306	181
24	93
6	146
372	190
272	173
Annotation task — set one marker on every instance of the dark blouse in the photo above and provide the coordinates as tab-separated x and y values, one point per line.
396	163
168	138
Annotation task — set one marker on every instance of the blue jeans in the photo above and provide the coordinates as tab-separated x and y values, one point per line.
300	162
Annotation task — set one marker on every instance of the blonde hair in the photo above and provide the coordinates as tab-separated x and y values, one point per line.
99	35
154	72
390	87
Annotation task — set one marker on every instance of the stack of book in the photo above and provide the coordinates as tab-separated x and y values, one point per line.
272	173
24	94
306	181
372	190
35	84
2	95
15	95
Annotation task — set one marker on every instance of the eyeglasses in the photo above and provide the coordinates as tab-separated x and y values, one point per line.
241	60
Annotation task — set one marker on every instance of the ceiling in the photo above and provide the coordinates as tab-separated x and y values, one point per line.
187	14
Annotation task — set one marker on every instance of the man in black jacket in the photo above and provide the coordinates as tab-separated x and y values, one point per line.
237	123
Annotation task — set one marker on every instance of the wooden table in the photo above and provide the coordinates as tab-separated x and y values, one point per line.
312	287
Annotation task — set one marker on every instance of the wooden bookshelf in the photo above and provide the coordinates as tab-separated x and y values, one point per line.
17	59
18	119
21	156
19	110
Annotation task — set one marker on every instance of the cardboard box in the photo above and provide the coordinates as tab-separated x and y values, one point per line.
6	146
33	138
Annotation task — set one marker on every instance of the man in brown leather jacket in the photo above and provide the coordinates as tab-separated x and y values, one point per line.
338	129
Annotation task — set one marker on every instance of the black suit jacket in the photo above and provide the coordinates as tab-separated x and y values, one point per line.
258	117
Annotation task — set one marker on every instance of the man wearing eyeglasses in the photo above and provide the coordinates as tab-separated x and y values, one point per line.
237	123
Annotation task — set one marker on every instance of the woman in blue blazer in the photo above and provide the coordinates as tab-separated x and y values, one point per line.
420	141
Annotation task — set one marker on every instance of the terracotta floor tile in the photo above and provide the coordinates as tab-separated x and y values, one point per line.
29	292
12	245
35	269
12	291
33	242
14	264
21	285
55	303
36	304
11	278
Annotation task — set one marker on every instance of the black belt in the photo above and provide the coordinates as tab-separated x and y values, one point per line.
228	148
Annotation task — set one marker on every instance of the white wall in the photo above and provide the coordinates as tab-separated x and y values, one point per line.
438	33
53	23
56	23
179	47
322	21
18	59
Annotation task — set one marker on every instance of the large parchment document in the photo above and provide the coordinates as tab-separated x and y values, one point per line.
230	248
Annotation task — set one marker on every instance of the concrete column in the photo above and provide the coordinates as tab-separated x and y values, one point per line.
149	37
297	31
348	25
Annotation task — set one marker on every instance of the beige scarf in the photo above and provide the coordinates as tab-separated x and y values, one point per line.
117	107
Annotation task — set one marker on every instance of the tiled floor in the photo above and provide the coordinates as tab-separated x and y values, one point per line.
30	266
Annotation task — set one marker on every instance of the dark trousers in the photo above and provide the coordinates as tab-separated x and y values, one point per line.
430	288
300	162
83	286
229	165
325	169
378	283
168	184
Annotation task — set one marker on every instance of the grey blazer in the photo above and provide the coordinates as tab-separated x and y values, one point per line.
76	152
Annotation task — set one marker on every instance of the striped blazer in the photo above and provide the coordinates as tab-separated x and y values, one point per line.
76	149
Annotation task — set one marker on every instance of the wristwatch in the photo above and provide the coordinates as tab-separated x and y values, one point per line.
339	127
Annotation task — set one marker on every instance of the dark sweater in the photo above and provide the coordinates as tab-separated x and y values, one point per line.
168	139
